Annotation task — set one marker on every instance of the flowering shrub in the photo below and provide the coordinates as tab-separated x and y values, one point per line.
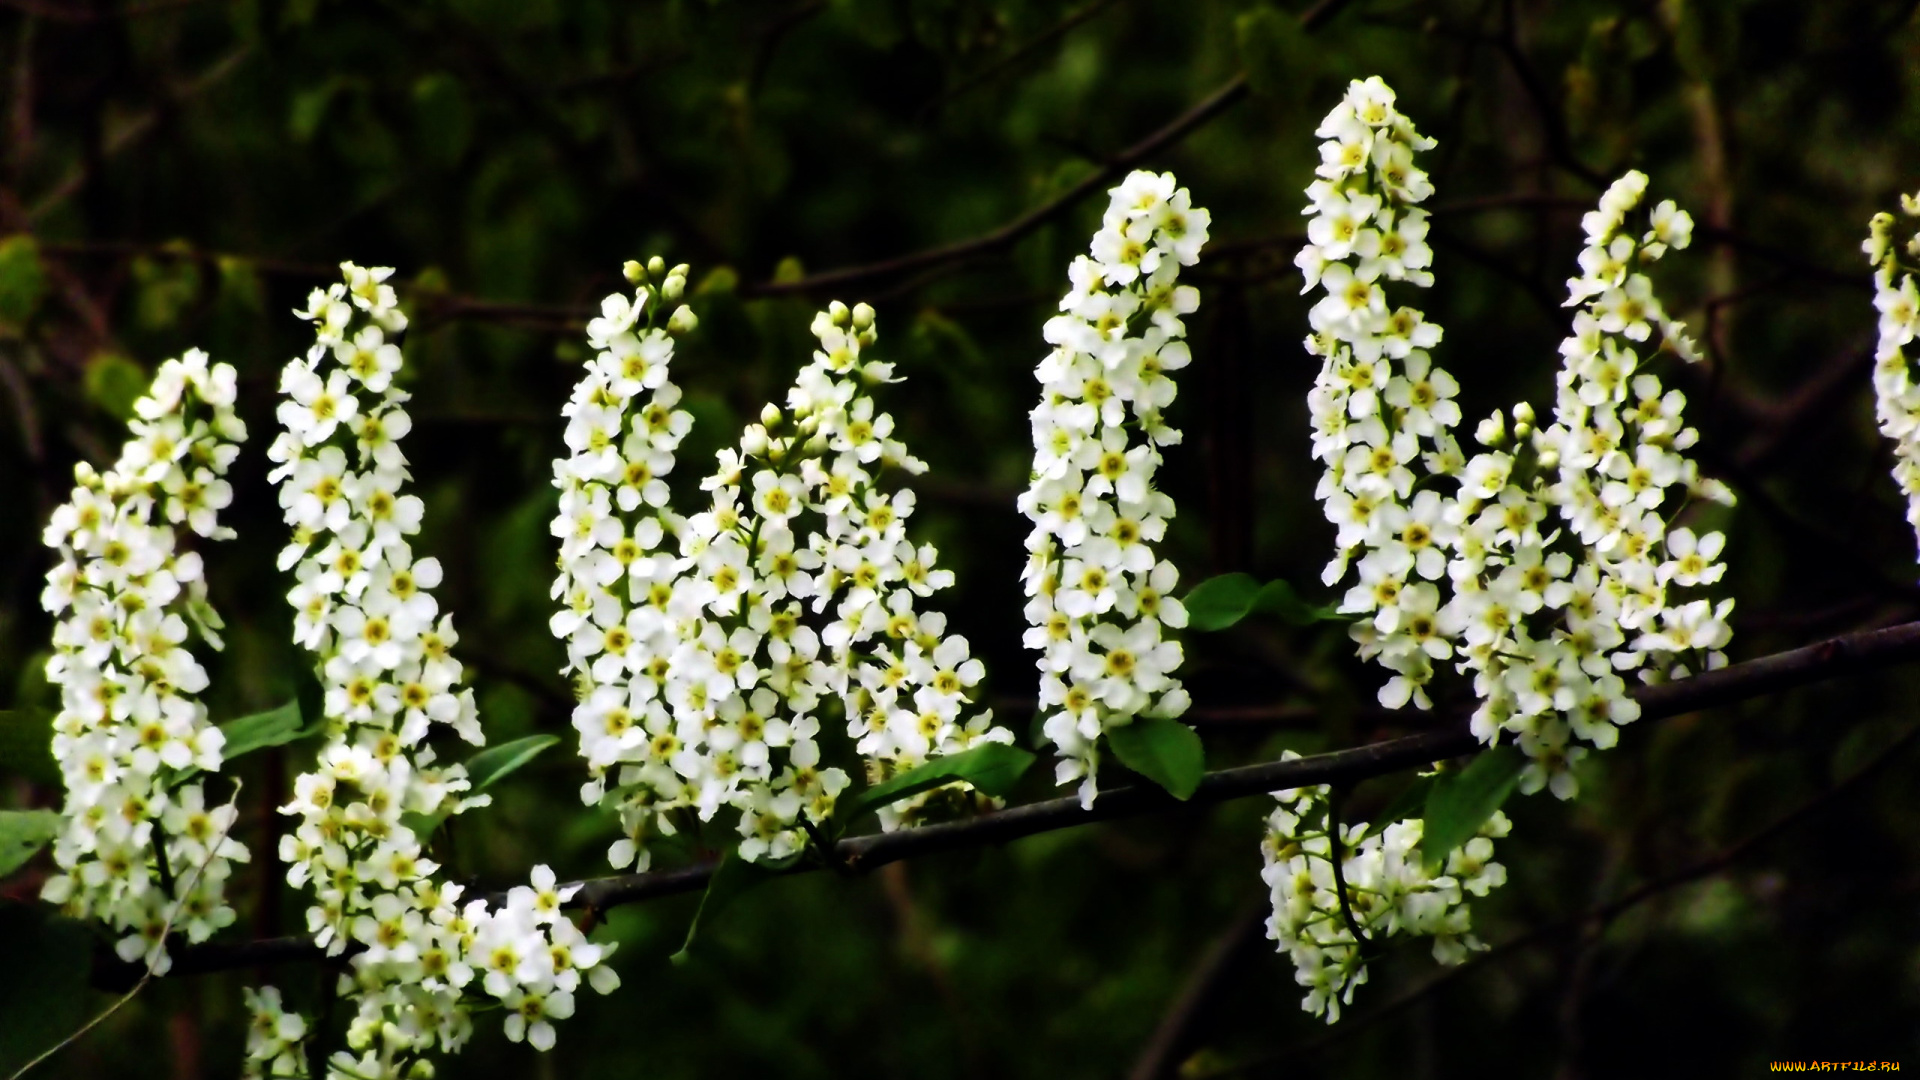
711	651
141	850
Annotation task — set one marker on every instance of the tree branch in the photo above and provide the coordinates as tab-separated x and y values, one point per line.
1594	919
1007	235
1860	651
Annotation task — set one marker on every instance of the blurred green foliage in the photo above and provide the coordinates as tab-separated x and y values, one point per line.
180	174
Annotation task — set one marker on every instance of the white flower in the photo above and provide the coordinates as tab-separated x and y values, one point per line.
1897	404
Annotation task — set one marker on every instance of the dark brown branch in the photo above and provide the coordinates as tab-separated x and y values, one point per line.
1013	231
1859	651
1553	122
1160	1058
81	13
1013	58
140	126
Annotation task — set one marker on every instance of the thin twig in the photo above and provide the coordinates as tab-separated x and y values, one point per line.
1020	52
1176	1031
1594	919
165	929
1006	235
1338	859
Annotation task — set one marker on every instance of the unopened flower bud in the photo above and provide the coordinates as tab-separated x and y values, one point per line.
770	416
754	440
838	312
1492	431
635	273
672	288
656	266
862	316
682	320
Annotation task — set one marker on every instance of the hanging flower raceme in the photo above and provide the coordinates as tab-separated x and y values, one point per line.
1897	401
364	605
905	684
1099	598
140	847
1614	469
1459	558
707	645
616	581
1544	565
1327	908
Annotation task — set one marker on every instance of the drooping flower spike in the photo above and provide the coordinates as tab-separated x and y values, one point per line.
1470	559
364	606
1545	566
1099	598
127	598
1896	398
707	645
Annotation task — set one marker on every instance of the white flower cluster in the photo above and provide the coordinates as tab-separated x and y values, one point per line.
130	725
1897	399
1388	890
1099	598
427	958
692	637
1461	558
363	605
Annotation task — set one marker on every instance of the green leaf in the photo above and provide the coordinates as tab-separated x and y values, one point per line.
166	287
730	879
992	768
1460	802
483	770
32	688
114	383
495	762
423	826
1219	602
1409	803
22	834
443	117
310	105
1164	751
23	280
275	727
1277	598
43	985
1274	52
26	745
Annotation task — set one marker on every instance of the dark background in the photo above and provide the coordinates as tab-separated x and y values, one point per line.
178	173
